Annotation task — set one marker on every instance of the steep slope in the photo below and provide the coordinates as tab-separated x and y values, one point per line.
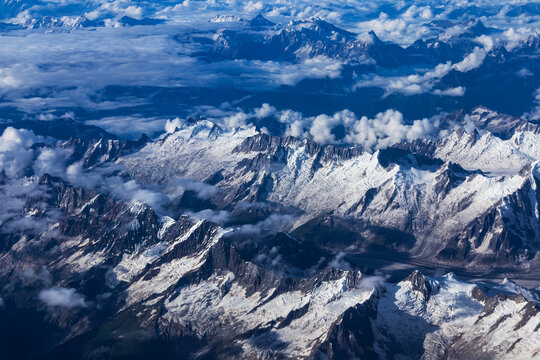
459	216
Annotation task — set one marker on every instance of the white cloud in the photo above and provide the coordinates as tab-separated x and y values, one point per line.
534	114
295	123
271	225
177	186
62	297
118	8
220	217
51	161
456	91
130	126
486	41
387	129
309	68
525	72
236	120
265	111
514	36
172	125
15	152
408	84
321	126
402	30
253	6
471	61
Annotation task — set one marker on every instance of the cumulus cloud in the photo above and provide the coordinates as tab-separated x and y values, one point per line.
471	61
51	161
265	111
106	180
383	130
31	275
387	129
236	120
71	68
17	215
425	83
62	297
321	126
12	198
486	41
403	29
253	6
525	72
132	192
15	152
117	8
47	70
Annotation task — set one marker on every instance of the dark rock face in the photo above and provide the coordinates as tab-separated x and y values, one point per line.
277	147
419	284
135	315
116	230
352	336
98	151
98	274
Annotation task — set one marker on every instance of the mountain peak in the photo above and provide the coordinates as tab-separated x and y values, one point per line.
374	37
260	21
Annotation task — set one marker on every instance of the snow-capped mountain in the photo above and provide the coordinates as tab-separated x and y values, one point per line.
303	39
260	252
451	200
192	293
64	22
269	180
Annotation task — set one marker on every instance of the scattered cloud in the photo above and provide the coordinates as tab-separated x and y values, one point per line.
172	124
62	297
471	61
271	225
408	84
131	126
15	152
220	217
534	114
178	186
388	128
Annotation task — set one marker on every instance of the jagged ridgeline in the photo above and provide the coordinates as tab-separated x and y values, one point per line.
318	180
271	248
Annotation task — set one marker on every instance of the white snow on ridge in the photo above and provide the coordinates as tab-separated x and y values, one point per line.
238	311
194	152
225	19
490	153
